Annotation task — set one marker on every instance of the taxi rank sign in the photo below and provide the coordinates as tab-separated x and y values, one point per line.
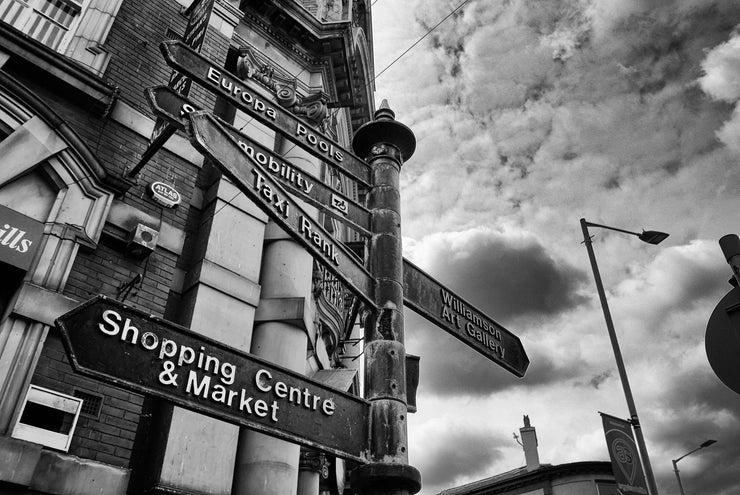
126	347
251	178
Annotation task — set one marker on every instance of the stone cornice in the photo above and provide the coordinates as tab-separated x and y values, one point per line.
27	52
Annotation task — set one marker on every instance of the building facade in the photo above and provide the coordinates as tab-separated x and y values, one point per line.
81	217
534	478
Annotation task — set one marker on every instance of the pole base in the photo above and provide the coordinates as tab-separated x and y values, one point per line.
376	477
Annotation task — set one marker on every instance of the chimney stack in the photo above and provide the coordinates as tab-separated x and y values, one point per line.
529	442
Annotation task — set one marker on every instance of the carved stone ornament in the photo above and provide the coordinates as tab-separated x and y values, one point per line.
311	460
333	308
312	106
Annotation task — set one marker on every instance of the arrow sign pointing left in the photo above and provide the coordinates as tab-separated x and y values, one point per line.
126	347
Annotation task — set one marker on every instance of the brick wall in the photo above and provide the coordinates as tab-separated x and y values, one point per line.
137	63
109	437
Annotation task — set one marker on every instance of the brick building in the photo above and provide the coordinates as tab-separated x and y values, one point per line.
79	219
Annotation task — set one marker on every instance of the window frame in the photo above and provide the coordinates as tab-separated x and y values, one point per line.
54	400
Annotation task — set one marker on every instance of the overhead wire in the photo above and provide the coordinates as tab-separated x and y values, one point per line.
430	31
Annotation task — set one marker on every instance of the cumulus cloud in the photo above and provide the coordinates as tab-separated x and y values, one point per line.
721	67
530	115
447	461
509	277
506	274
721	81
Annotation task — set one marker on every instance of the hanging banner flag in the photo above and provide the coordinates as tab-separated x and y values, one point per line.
199	13
623	453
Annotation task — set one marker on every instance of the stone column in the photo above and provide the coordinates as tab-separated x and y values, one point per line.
313	465
385	143
266	465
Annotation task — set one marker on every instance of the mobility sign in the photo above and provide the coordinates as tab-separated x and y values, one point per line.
126	347
249	174
200	69
623	453
169	105
459	318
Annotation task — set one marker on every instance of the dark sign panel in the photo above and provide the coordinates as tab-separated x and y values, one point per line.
623	453
169	105
109	341
459	318
195	33
249	173
722	340
20	237
228	86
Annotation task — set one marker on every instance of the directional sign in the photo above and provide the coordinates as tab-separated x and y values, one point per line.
200	69
459	318
198	12
169	105
249	175
107	340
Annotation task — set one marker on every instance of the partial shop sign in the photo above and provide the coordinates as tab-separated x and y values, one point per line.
20	237
250	176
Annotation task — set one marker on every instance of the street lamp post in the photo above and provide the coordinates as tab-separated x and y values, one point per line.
675	462
651	237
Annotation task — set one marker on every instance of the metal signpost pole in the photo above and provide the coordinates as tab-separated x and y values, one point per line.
678	478
634	420
386	143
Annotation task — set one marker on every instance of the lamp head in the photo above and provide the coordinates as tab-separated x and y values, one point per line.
652	236
708	443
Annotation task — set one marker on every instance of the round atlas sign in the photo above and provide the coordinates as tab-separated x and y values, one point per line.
164	194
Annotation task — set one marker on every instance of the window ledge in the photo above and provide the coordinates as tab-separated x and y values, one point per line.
28	464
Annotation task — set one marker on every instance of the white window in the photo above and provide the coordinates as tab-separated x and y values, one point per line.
48	418
48	21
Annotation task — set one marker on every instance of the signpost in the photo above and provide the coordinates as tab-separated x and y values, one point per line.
223	83
174	108
250	176
459	318
112	342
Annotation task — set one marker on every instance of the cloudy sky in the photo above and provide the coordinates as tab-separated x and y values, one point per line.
530	115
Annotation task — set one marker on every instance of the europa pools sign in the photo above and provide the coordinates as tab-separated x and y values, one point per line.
20	237
126	347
